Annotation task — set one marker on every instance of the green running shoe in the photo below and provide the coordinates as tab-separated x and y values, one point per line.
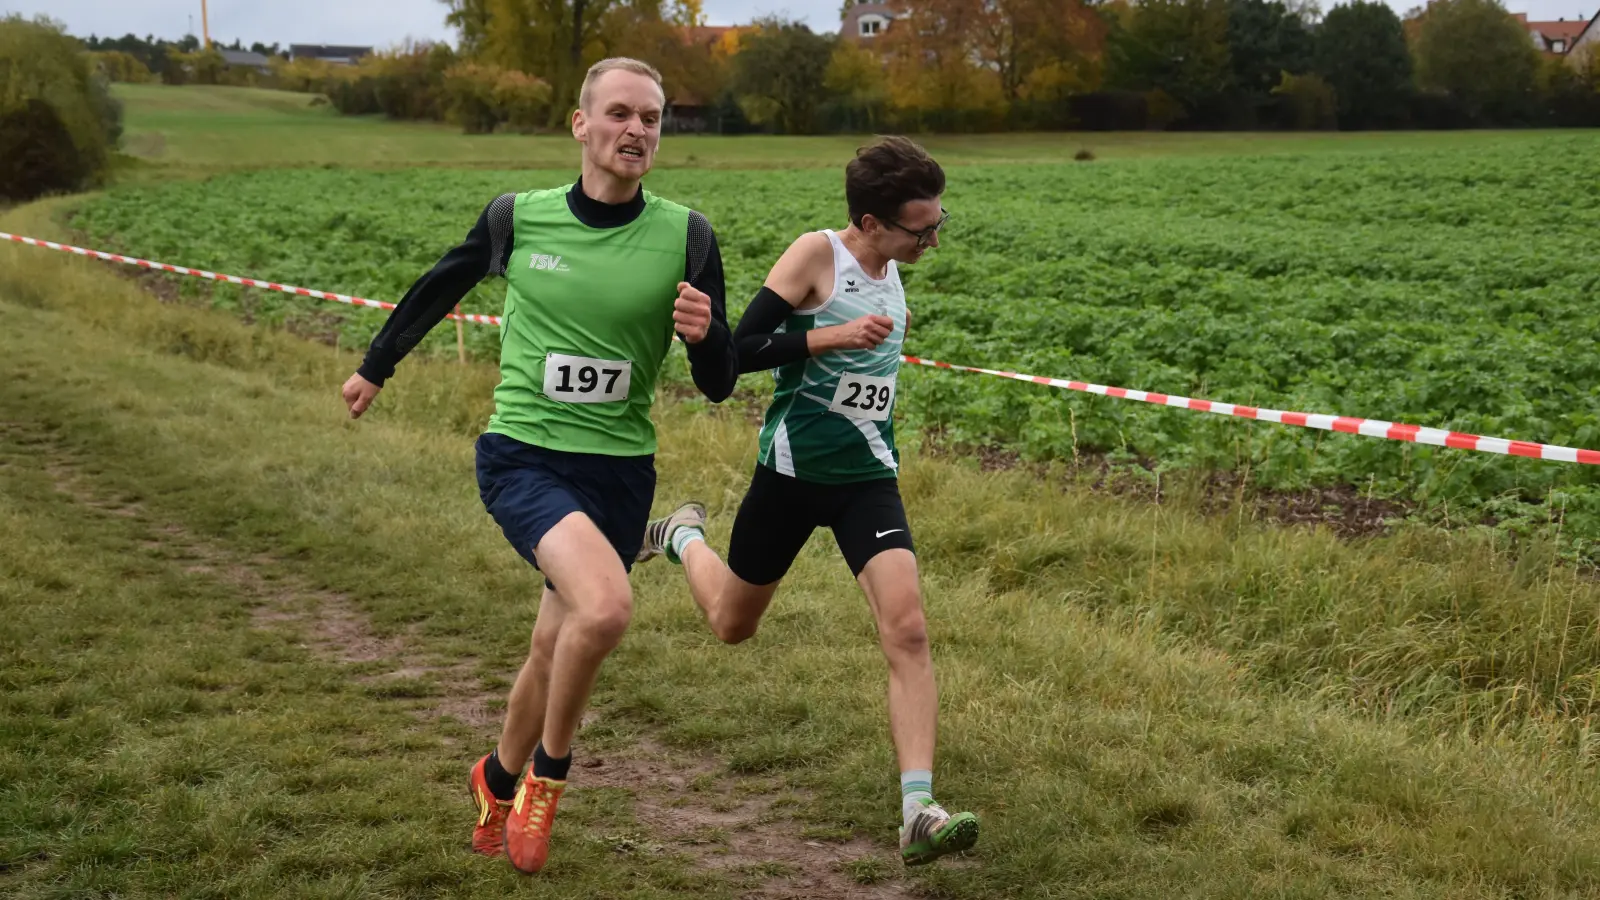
935	833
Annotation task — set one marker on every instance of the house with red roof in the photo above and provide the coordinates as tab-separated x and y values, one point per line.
1554	38
1585	44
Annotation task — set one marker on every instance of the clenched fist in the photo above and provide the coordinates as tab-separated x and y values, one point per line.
863	333
691	313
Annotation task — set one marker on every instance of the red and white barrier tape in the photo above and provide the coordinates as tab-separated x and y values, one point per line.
231	279
1344	424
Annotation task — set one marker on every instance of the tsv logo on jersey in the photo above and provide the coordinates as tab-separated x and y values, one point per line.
547	262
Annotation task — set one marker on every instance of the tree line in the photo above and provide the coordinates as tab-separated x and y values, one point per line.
1192	64
947	65
989	65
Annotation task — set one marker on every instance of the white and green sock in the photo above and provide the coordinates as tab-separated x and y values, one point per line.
916	791
682	537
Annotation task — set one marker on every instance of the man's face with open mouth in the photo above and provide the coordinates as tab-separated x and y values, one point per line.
622	129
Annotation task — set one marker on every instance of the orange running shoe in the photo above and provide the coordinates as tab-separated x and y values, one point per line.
528	826
489	835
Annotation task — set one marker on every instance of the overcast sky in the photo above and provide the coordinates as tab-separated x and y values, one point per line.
381	23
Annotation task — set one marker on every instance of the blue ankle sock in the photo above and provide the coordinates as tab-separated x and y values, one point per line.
682	537
916	791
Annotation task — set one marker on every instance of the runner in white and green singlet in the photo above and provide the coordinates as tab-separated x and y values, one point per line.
830	421
830	321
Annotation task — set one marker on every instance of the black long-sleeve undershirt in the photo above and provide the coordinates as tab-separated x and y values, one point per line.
713	361
432	297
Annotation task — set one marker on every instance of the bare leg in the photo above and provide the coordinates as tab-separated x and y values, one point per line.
733	607
891	585
598	606
526	707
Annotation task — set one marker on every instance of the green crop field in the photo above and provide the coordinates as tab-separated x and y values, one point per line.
249	647
1442	287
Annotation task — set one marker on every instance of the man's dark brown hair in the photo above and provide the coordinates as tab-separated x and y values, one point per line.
888	175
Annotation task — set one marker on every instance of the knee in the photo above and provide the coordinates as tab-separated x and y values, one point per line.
905	635
543	645
736	614
606	618
734	632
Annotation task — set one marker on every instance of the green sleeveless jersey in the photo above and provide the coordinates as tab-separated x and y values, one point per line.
832	416
586	326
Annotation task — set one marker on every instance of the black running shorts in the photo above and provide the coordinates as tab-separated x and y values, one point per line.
779	513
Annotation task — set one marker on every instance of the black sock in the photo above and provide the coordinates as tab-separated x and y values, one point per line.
502	784
545	767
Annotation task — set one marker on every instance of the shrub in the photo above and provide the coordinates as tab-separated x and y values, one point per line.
58	121
308	76
1571	92
481	98
469	93
409	83
523	100
1109	111
122	67
1309	103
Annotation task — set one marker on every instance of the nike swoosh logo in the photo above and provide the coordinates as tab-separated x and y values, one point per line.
766	345
890	531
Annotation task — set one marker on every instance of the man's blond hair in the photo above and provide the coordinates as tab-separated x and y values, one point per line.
615	63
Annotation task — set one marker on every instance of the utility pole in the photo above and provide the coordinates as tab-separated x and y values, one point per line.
205	24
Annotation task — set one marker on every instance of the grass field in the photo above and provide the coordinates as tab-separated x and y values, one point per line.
205	129
251	647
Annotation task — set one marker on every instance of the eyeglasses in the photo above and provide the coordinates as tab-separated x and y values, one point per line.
925	236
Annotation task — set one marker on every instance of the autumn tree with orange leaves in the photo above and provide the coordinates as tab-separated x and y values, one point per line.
969	63
935	66
1041	46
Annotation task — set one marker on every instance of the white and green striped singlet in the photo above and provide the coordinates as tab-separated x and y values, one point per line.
832	416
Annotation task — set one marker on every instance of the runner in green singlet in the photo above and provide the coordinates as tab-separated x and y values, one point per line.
600	274
830	321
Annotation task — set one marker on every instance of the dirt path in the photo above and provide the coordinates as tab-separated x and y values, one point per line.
686	804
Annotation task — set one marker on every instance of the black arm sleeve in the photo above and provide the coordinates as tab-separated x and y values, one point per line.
435	294
712	363
761	346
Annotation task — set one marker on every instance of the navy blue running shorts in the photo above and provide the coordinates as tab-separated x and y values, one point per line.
529	489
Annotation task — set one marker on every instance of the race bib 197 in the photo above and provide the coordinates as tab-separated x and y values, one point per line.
864	397
580	379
